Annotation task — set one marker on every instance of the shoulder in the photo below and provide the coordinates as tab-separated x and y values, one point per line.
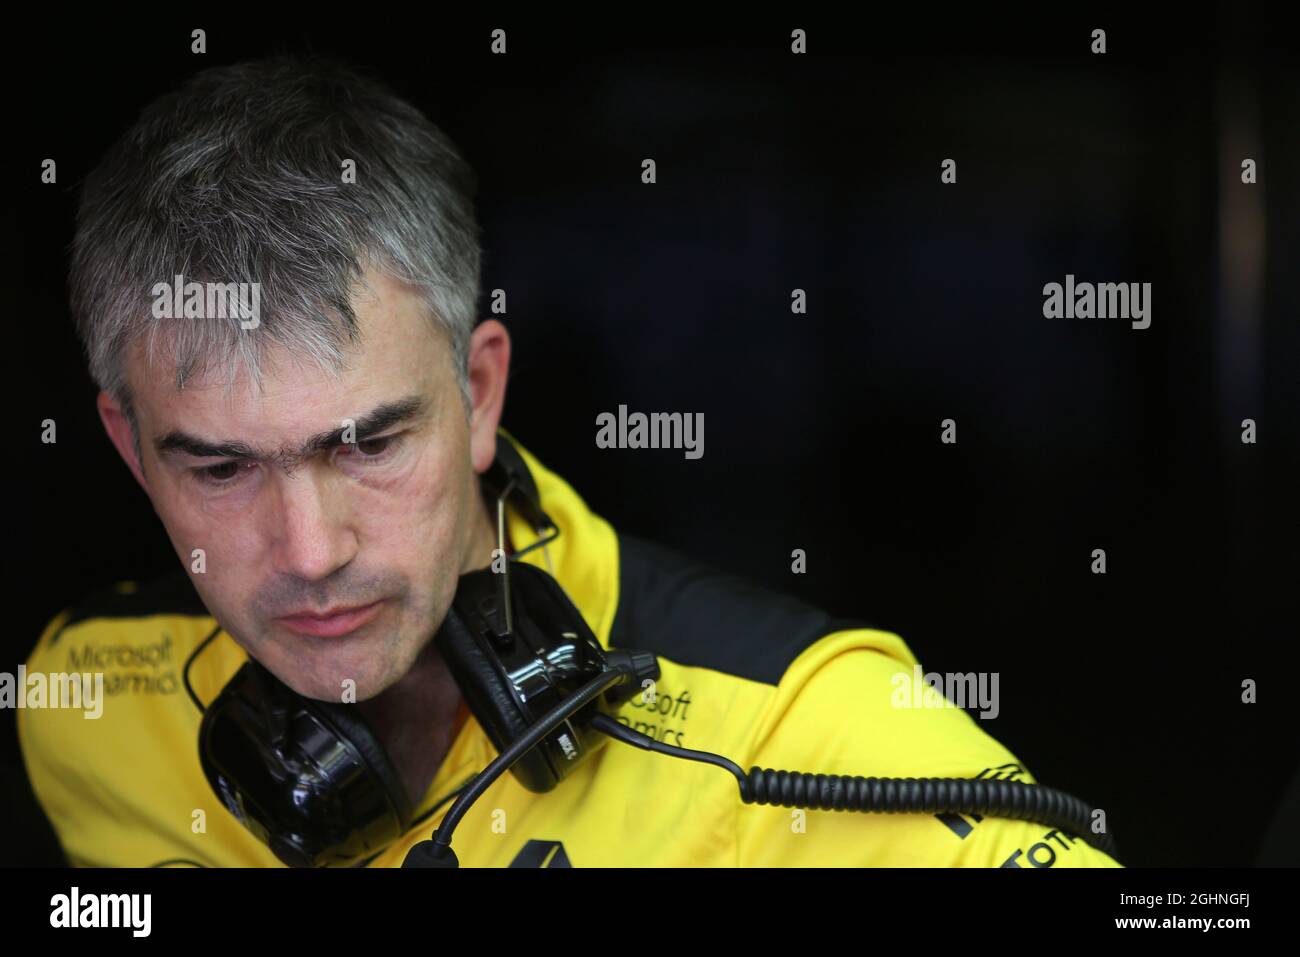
856	703
168	594
109	749
137	635
125	609
129	641
700	616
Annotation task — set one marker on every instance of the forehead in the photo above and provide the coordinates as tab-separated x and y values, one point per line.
401	350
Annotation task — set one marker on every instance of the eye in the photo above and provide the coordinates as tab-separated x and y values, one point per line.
226	473
370	451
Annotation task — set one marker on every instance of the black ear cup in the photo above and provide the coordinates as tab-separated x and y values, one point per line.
513	672
487	691
351	726
308	777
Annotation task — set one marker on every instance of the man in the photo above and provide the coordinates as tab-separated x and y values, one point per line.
275	277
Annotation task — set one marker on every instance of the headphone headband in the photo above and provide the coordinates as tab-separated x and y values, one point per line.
508	476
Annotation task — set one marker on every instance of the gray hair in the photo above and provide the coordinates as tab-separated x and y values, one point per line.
238	177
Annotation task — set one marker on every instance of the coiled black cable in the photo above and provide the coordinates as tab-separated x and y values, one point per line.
843	792
992	798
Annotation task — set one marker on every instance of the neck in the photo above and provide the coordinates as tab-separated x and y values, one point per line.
417	720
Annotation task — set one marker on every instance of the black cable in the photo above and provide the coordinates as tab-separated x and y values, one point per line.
185	672
845	792
422	818
625	734
552	534
521	746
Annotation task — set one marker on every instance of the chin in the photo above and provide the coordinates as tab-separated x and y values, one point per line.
318	667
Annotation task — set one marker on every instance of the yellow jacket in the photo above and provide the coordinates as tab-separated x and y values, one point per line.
757	677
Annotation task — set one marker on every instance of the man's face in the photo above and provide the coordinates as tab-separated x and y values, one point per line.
385	525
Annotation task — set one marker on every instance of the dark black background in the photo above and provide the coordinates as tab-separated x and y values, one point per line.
822	430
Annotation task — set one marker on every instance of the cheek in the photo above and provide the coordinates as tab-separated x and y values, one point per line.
192	526
417	517
218	554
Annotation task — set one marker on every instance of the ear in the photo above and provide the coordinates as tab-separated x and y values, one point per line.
489	366
119	432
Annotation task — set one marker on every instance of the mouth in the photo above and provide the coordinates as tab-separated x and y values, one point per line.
334	623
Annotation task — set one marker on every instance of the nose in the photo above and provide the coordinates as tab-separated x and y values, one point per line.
311	527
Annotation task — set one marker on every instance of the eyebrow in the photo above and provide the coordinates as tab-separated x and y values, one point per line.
376	420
